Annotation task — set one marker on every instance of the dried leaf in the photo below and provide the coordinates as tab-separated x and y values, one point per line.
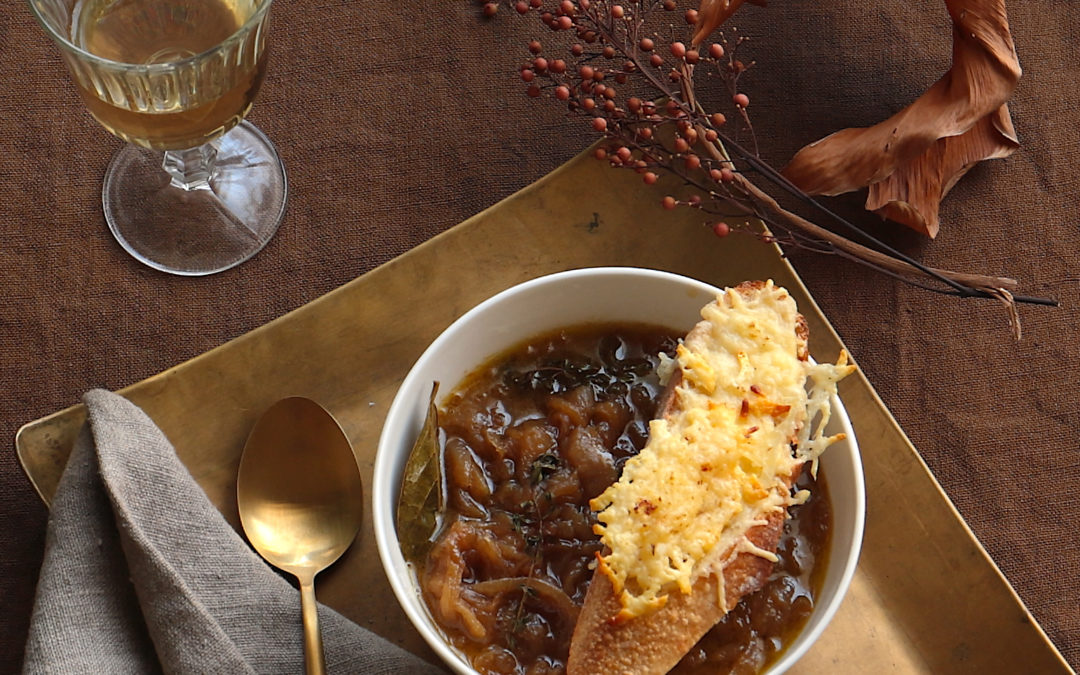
421	500
911	160
712	13
912	193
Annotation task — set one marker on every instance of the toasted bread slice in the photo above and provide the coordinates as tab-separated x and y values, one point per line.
657	641
626	625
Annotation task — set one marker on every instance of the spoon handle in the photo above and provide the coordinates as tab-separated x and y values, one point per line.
314	662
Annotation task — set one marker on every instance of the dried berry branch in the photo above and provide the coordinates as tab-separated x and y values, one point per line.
637	88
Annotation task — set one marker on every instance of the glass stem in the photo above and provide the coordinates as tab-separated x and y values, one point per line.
190	169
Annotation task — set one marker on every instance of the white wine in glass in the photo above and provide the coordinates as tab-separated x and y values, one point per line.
198	190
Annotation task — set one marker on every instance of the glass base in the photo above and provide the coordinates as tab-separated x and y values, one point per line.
212	225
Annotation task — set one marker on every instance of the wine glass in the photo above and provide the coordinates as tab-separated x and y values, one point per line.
197	189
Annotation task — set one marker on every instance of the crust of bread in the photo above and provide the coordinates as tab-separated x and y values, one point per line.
657	641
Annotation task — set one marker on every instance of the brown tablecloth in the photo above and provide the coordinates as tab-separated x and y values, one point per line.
397	121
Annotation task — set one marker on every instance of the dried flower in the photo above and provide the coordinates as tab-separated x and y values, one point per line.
911	160
712	13
652	122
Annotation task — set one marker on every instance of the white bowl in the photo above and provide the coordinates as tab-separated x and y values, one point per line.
565	299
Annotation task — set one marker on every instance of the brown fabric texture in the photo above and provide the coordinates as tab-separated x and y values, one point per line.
397	121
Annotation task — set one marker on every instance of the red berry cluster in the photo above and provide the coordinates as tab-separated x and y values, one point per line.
636	89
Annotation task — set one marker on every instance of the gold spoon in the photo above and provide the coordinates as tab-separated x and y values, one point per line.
300	500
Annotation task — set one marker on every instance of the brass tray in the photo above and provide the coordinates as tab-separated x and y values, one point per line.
925	598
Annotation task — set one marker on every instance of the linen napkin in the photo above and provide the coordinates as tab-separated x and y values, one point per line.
142	574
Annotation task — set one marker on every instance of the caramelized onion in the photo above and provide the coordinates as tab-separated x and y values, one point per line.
551	593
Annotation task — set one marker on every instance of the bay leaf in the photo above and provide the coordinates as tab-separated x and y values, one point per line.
420	501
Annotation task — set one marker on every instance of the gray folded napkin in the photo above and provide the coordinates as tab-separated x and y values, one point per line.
142	574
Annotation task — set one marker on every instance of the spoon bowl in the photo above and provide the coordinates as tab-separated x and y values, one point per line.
300	499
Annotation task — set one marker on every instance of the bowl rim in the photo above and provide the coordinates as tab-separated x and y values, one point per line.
384	495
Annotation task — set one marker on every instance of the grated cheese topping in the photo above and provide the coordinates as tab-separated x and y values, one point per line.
716	465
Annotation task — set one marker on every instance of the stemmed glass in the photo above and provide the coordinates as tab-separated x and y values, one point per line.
197	189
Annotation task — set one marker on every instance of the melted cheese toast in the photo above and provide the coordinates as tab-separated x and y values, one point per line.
693	523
